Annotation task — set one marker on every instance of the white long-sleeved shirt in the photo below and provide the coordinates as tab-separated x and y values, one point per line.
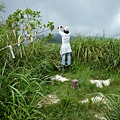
65	47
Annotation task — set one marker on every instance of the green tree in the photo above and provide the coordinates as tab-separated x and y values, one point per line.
2	7
28	22
21	26
3	29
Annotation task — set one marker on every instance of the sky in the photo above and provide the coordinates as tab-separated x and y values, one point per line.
84	17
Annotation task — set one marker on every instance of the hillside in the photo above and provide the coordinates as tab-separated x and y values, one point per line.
27	87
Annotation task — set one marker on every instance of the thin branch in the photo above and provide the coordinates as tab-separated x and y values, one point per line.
43	31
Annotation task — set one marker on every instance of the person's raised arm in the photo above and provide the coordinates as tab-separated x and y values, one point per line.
59	30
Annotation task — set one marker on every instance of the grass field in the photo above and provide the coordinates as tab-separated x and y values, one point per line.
26	88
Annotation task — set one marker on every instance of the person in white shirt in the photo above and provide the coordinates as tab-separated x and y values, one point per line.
65	47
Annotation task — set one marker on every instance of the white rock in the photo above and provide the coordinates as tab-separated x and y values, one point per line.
97	82
100	117
100	83
59	78
96	99
106	82
84	101
99	98
49	100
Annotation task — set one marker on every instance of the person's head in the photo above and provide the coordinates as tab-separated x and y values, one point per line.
66	30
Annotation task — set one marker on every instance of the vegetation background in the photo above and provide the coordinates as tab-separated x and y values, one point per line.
25	80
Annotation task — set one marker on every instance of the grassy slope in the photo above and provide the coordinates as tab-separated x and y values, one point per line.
69	108
25	81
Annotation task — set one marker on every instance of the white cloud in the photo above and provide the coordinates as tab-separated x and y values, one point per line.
115	24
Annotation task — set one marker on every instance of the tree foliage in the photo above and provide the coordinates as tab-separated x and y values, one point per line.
29	21
2	7
21	27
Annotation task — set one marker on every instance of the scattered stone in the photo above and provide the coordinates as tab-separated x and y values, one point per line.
96	99
106	82
50	99
84	101
59	78
101	83
99	98
100	117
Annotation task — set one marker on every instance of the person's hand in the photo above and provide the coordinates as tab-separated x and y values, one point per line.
61	26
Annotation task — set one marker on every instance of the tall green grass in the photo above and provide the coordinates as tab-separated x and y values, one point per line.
113	108
22	80
18	94
100	53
